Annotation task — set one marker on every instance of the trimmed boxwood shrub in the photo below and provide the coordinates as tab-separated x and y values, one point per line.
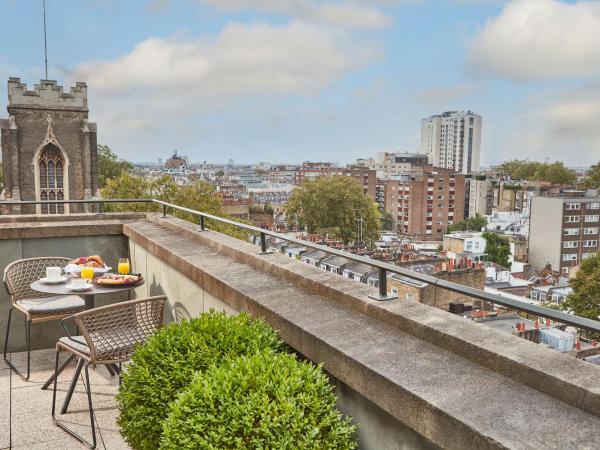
168	361
260	401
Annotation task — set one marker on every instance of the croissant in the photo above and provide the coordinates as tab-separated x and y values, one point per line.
91	261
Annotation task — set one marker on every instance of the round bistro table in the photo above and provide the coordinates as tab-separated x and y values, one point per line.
88	295
89	298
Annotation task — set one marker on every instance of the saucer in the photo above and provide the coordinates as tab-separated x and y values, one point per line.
78	289
58	280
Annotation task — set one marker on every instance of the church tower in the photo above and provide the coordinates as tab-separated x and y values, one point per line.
49	149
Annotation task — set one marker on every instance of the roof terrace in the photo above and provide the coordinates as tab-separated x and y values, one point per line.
411	375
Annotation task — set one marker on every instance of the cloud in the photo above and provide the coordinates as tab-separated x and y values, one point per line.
339	14
563	128
539	40
441	95
242	59
162	83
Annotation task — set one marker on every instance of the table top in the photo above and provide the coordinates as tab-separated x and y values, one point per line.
61	289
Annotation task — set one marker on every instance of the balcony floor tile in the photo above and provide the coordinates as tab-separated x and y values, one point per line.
25	410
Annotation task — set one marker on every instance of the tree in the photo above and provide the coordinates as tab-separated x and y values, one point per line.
584	301
555	173
110	166
476	223
198	196
333	205
219	173
592	179
497	249
387	221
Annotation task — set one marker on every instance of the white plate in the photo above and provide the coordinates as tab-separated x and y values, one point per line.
59	280
78	289
75	269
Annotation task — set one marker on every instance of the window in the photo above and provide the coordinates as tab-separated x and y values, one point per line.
51	165
570	244
592	218
571	232
590	243
440	197
573	206
590	231
569	257
586	255
572	219
594	205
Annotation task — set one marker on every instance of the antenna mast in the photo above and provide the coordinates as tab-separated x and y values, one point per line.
45	43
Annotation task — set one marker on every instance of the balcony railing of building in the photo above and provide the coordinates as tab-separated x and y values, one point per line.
383	268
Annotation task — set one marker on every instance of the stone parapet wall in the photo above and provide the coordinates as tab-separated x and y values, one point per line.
456	383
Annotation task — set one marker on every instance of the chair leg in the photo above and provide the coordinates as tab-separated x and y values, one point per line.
28	342
28	338
88	390
54	387
7	332
72	386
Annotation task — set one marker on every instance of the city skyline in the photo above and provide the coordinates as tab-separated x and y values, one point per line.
293	81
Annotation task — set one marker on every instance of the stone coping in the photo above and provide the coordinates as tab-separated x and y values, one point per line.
47	218
561	376
429	386
42	226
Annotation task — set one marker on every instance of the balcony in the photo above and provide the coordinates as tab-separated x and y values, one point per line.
411	375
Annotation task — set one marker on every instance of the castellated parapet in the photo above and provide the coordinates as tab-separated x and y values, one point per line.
48	94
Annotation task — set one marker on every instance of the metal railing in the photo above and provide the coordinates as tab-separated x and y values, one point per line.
382	267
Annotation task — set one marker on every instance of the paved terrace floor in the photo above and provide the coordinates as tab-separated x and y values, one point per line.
25	418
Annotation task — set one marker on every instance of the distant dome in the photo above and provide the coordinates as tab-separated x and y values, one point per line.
175	162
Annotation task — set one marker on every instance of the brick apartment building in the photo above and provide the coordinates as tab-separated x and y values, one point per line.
424	205
564	230
366	178
311	170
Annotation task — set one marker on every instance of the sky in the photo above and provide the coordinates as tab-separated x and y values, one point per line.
331	80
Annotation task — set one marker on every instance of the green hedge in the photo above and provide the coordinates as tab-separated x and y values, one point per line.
260	401
168	361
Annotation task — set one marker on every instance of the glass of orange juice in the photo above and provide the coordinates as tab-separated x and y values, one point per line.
123	267
87	273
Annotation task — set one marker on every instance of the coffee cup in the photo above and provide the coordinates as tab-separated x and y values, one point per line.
53	273
79	283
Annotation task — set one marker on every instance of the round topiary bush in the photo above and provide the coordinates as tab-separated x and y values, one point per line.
168	361
260	401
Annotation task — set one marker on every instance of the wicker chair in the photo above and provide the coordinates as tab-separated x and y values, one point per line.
109	336
36	306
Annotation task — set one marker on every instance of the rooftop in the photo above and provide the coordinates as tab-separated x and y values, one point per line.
412	375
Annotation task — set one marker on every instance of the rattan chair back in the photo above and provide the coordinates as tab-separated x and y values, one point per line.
113	332
19	275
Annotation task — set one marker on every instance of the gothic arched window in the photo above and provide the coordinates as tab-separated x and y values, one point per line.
51	163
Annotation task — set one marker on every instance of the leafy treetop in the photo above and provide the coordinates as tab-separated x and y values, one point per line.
497	249
476	223
555	173
584	301
593	177
333	205
110	166
198	195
